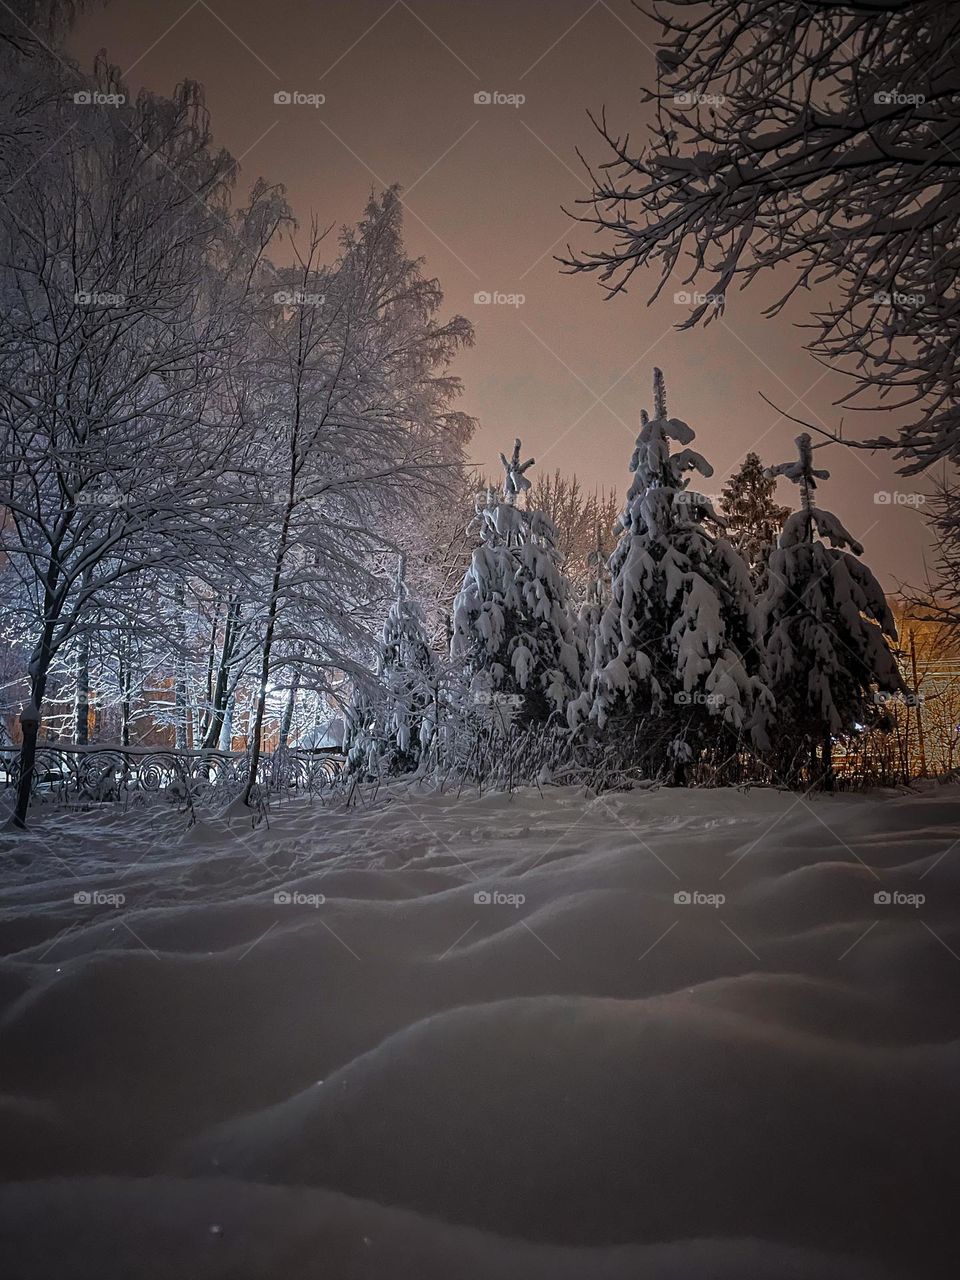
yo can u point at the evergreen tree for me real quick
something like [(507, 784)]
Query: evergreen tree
[(389, 728), (753, 517), (591, 611), (513, 627), (827, 628), (679, 636)]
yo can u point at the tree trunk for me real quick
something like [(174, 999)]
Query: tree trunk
[(30, 726), (81, 705), (221, 686), (208, 711), (273, 610), (278, 563), (226, 730), (827, 761), (28, 758), (260, 706), (126, 692), (287, 721), (180, 666)]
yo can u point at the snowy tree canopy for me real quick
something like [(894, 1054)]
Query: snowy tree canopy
[(827, 627), (816, 135), (199, 448), (512, 621), (679, 633)]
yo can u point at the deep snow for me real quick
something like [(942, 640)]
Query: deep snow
[(581, 1077)]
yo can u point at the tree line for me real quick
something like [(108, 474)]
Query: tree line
[(744, 640), (207, 417)]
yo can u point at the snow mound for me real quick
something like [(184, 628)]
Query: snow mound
[(700, 1034), (211, 1230)]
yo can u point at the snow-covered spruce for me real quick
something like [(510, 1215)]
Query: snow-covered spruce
[(513, 625), (679, 637), (827, 629), (390, 726)]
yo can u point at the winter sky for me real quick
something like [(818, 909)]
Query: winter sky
[(485, 185)]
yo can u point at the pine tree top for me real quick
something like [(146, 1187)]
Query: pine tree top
[(748, 499), (653, 463), (515, 480)]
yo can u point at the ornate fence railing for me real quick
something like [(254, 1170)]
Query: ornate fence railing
[(105, 772)]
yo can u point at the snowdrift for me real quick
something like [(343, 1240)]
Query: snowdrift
[(662, 1033)]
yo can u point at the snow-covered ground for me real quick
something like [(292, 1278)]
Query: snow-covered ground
[(482, 1037)]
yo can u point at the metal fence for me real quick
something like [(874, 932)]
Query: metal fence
[(105, 773)]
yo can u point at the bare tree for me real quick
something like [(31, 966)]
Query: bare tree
[(358, 420), (119, 306), (28, 28), (820, 135), (585, 523)]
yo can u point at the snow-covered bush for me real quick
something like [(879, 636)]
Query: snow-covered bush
[(391, 724)]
